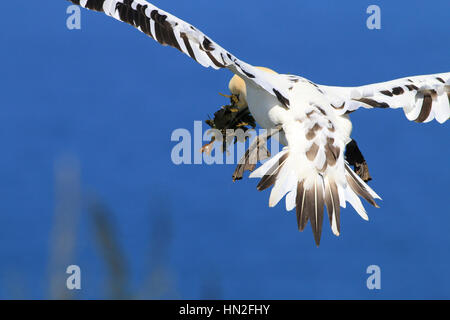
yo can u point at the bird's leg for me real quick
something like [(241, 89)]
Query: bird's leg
[(256, 152), (355, 158), (207, 148)]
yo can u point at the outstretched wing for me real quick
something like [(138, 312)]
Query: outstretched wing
[(423, 98), (172, 31)]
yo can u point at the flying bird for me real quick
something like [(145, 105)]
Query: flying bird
[(311, 171)]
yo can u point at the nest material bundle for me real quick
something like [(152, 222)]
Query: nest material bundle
[(228, 120)]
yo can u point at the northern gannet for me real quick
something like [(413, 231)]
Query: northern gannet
[(310, 171)]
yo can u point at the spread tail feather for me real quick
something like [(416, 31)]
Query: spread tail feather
[(310, 192)]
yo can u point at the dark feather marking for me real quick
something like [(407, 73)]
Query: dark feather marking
[(214, 60), (310, 135), (387, 93), (341, 107), (188, 45), (411, 87), (122, 11), (266, 182), (172, 38), (207, 44), (251, 76), (308, 211), (321, 110), (398, 91), (284, 101), (373, 103), (316, 215), (440, 79), (331, 126), (136, 16), (164, 32), (426, 108), (270, 177), (146, 24), (169, 36), (331, 152), (331, 160), (302, 220), (329, 203), (158, 31), (96, 5), (223, 59), (359, 188), (432, 93), (312, 152), (312, 83), (143, 20), (336, 203), (312, 132), (316, 127)]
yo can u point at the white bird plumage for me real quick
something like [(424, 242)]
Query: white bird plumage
[(311, 171)]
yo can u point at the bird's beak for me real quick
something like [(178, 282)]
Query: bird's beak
[(233, 98)]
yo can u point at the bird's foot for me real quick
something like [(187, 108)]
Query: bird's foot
[(355, 158), (362, 170), (207, 148), (256, 152)]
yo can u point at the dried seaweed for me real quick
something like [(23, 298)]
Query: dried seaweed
[(228, 120)]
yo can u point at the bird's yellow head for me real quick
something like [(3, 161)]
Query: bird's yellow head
[(239, 90)]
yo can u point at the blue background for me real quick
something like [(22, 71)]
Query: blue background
[(108, 98)]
